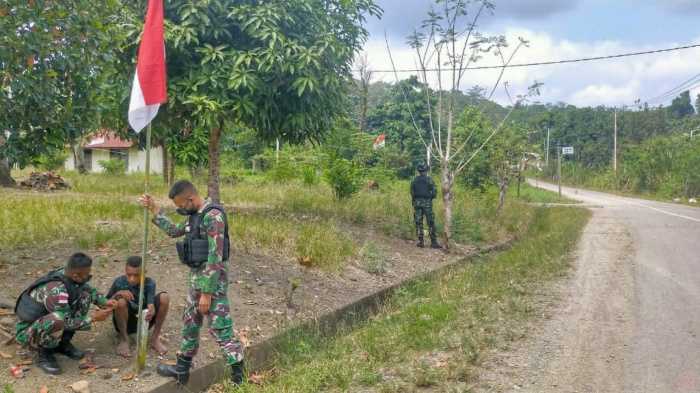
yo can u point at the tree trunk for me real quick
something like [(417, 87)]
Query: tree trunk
[(166, 165), (502, 190), (447, 180), (79, 158), (213, 184), (6, 179), (171, 170)]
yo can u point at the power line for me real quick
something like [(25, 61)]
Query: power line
[(679, 88), (542, 63)]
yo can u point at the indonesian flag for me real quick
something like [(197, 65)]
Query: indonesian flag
[(379, 141), (149, 88)]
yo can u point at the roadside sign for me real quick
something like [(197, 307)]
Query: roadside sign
[(567, 150)]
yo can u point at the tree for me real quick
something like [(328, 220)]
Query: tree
[(54, 58), (365, 81), (505, 155), (697, 104), (449, 43), (280, 68), (681, 105)]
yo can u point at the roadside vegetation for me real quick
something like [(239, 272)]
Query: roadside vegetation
[(434, 334)]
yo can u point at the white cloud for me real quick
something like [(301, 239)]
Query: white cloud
[(604, 82)]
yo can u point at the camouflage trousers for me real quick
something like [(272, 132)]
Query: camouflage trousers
[(45, 332), (424, 207), (219, 321)]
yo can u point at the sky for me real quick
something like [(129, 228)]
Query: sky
[(564, 29)]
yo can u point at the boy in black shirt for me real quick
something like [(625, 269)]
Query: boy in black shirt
[(125, 289)]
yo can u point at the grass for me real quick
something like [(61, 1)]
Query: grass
[(532, 194), (295, 219), (434, 333)]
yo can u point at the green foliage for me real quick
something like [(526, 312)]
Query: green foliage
[(309, 175), (113, 167), (373, 260), (52, 161), (681, 106), (342, 176), (57, 59)]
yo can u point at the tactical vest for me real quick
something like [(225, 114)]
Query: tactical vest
[(194, 250), (29, 310)]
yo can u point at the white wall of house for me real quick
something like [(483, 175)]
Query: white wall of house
[(137, 160)]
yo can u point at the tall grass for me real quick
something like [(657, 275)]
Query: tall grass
[(434, 333)]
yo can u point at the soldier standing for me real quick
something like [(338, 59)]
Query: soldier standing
[(54, 307), (423, 192), (205, 251)]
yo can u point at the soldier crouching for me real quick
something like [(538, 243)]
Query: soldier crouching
[(54, 307)]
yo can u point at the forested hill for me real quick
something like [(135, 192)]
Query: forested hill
[(588, 129)]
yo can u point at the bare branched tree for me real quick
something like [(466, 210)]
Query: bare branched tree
[(365, 81), (446, 46)]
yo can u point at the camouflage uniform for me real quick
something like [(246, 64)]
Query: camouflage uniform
[(211, 278), (423, 191), (46, 332)]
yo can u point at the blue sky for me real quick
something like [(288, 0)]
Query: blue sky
[(560, 29)]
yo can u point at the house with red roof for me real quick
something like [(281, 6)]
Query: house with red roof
[(107, 145)]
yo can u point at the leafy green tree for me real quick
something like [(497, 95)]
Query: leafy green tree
[(55, 57), (681, 105), (280, 68)]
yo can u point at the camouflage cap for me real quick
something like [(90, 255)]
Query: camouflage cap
[(422, 167)]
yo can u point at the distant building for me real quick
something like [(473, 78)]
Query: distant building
[(106, 145)]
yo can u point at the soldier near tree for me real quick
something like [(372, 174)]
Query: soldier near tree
[(205, 250), (54, 307), (423, 192)]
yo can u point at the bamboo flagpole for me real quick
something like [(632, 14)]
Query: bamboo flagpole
[(148, 91), (142, 329)]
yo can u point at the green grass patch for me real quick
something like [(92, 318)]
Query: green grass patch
[(434, 333), (532, 194)]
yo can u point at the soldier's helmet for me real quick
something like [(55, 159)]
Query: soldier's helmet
[(422, 167)]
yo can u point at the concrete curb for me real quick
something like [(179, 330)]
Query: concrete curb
[(262, 354)]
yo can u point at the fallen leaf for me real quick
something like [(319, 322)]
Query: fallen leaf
[(5, 355), (81, 387), (28, 362), (128, 376), (115, 370), (89, 370), (169, 362), (44, 389), (4, 312), (243, 338)]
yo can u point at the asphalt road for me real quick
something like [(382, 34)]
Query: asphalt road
[(631, 320)]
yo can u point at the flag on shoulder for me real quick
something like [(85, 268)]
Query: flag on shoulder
[(150, 86)]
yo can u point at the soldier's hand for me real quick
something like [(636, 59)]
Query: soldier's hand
[(111, 304), (148, 202), (101, 315), (204, 303)]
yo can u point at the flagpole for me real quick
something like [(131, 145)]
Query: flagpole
[(142, 329)]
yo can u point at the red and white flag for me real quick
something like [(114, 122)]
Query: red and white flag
[(150, 86), (379, 141)]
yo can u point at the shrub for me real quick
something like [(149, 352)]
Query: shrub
[(51, 162), (113, 167), (309, 175), (343, 178)]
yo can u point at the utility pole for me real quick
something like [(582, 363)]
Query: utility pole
[(559, 170), (615, 145), (546, 153), (277, 151)]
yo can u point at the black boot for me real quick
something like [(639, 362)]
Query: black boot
[(67, 348), (180, 371), (237, 373), (435, 244), (47, 362), (420, 243)]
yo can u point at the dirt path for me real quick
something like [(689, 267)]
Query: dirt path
[(259, 294)]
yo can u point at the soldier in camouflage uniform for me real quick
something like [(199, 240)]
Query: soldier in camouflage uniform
[(54, 307), (208, 283), (423, 192)]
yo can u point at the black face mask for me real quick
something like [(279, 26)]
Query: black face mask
[(186, 212)]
